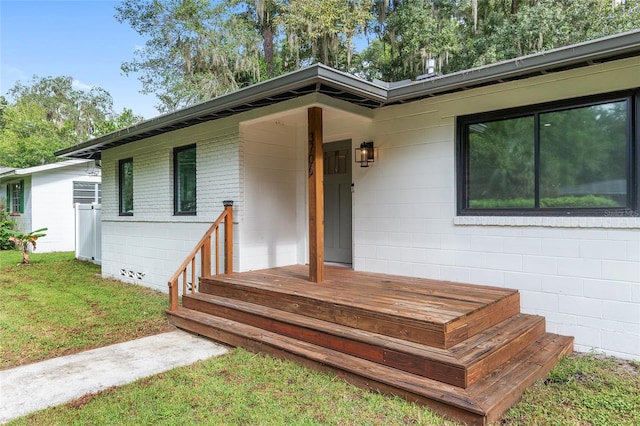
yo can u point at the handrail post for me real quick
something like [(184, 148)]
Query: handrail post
[(228, 237), (173, 295)]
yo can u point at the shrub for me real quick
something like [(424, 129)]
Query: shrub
[(6, 225)]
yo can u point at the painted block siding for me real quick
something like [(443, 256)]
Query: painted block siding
[(582, 274), (49, 204), (271, 229), (148, 247)]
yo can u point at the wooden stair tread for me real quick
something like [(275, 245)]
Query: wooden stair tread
[(329, 327), (440, 321), (426, 387), (461, 365), (449, 300), (485, 399)]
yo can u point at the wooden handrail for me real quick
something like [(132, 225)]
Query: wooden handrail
[(204, 247)]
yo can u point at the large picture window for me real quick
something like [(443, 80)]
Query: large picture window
[(184, 180), (125, 186), (569, 158)]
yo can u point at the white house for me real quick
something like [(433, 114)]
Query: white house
[(521, 174), (44, 196)]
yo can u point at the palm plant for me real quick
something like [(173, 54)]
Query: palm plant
[(24, 240)]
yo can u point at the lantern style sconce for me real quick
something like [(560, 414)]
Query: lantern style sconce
[(365, 154)]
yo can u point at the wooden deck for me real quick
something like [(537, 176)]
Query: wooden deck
[(464, 350)]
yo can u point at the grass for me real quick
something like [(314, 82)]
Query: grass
[(240, 388), (244, 388), (59, 305), (583, 389)]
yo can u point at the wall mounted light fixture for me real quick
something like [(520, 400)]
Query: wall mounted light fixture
[(365, 154)]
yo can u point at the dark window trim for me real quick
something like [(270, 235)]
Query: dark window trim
[(120, 184), (633, 156), (177, 151)]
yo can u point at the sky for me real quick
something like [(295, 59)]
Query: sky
[(77, 38)]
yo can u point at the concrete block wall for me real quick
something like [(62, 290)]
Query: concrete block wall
[(582, 274), (150, 245), (269, 236)]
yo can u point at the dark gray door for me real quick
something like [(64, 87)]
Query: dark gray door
[(337, 201)]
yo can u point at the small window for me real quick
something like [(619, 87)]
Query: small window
[(125, 186), (15, 197), (87, 192), (184, 180), (335, 162), (569, 158)]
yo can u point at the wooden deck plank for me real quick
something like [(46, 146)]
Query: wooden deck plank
[(418, 359), (367, 319), (367, 289), (482, 402), (433, 312), (233, 333), (504, 386), (464, 350)]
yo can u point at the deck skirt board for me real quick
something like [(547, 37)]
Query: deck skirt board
[(464, 350)]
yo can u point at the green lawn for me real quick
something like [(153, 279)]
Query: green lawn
[(55, 302), (59, 305)]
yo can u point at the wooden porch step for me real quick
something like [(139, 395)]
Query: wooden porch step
[(461, 365), (483, 401), (434, 313)]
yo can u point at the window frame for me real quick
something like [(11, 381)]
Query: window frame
[(176, 176), (15, 198), (121, 164), (632, 156)]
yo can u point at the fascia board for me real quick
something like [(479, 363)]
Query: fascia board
[(317, 74)]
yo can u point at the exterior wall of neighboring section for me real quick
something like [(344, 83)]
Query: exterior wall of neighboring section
[(582, 274), (48, 202), (148, 247), (52, 204)]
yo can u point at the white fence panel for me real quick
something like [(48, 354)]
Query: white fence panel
[(89, 232)]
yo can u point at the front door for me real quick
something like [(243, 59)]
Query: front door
[(337, 202)]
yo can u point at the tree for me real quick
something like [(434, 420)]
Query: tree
[(29, 138), (459, 35), (263, 16), (326, 28), (196, 50), (76, 110), (125, 119), (199, 49), (48, 114)]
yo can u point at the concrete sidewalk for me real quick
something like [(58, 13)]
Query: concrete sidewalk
[(55, 381)]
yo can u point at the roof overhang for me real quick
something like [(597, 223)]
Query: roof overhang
[(39, 169), (320, 79)]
